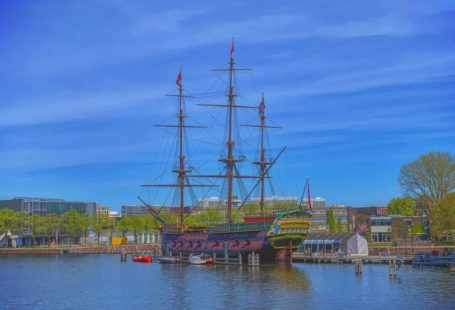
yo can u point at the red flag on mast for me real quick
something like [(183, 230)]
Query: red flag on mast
[(309, 197), (262, 105), (232, 48), (179, 79)]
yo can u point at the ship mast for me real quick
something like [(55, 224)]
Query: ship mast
[(230, 160), (262, 163), (182, 171)]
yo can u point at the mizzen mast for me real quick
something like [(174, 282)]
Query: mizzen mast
[(263, 163)]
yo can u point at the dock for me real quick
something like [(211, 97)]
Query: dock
[(338, 259)]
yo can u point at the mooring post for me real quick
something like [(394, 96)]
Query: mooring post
[(240, 259), (393, 268), (358, 266), (123, 255)]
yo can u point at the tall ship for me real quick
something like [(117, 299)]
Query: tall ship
[(272, 234)]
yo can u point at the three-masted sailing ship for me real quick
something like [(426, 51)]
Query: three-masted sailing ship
[(272, 235)]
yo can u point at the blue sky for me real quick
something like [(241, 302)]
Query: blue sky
[(360, 88)]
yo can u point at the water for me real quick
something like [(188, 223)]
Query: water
[(102, 282)]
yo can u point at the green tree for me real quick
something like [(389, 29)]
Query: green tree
[(136, 223), (99, 222), (73, 223), (12, 220), (443, 221), (123, 225), (401, 206), (431, 176), (205, 218), (37, 224), (53, 225), (339, 225), (331, 221)]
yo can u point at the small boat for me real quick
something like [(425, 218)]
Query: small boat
[(200, 259), (169, 260), (142, 259), (427, 259)]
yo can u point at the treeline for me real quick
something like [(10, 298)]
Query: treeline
[(71, 224), (429, 186)]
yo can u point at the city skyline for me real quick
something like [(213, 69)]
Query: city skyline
[(358, 96)]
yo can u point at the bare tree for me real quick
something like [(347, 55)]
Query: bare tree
[(430, 177)]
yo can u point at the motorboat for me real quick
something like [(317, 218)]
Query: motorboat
[(200, 259), (142, 259), (427, 259), (169, 260)]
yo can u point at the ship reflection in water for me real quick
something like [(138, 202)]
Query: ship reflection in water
[(102, 282)]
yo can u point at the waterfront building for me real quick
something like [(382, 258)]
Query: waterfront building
[(319, 219), (114, 217), (276, 201), (403, 230), (211, 202), (410, 230), (340, 215), (369, 211), (316, 203), (132, 210), (46, 206), (381, 228), (103, 210)]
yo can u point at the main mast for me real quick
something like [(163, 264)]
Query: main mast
[(181, 172), (263, 164), (230, 160)]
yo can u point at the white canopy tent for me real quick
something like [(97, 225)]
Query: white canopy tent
[(357, 245)]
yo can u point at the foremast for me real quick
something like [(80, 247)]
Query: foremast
[(182, 171)]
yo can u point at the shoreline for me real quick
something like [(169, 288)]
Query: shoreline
[(151, 248)]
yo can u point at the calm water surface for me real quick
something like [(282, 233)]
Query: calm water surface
[(102, 282)]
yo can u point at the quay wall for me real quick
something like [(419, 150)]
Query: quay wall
[(408, 250), (154, 248)]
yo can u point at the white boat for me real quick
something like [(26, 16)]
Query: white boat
[(200, 259), (169, 260)]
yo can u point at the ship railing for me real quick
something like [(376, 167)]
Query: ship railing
[(240, 227)]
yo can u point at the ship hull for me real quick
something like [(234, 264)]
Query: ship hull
[(219, 243)]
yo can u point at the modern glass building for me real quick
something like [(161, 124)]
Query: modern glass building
[(131, 210), (46, 206)]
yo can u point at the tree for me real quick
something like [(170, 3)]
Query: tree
[(431, 176), (99, 222), (37, 225), (331, 221), (339, 225), (443, 221), (123, 225), (401, 206), (53, 225), (73, 224), (12, 220)]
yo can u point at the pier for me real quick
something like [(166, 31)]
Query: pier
[(338, 259)]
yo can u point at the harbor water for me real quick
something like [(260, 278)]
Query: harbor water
[(103, 282)]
